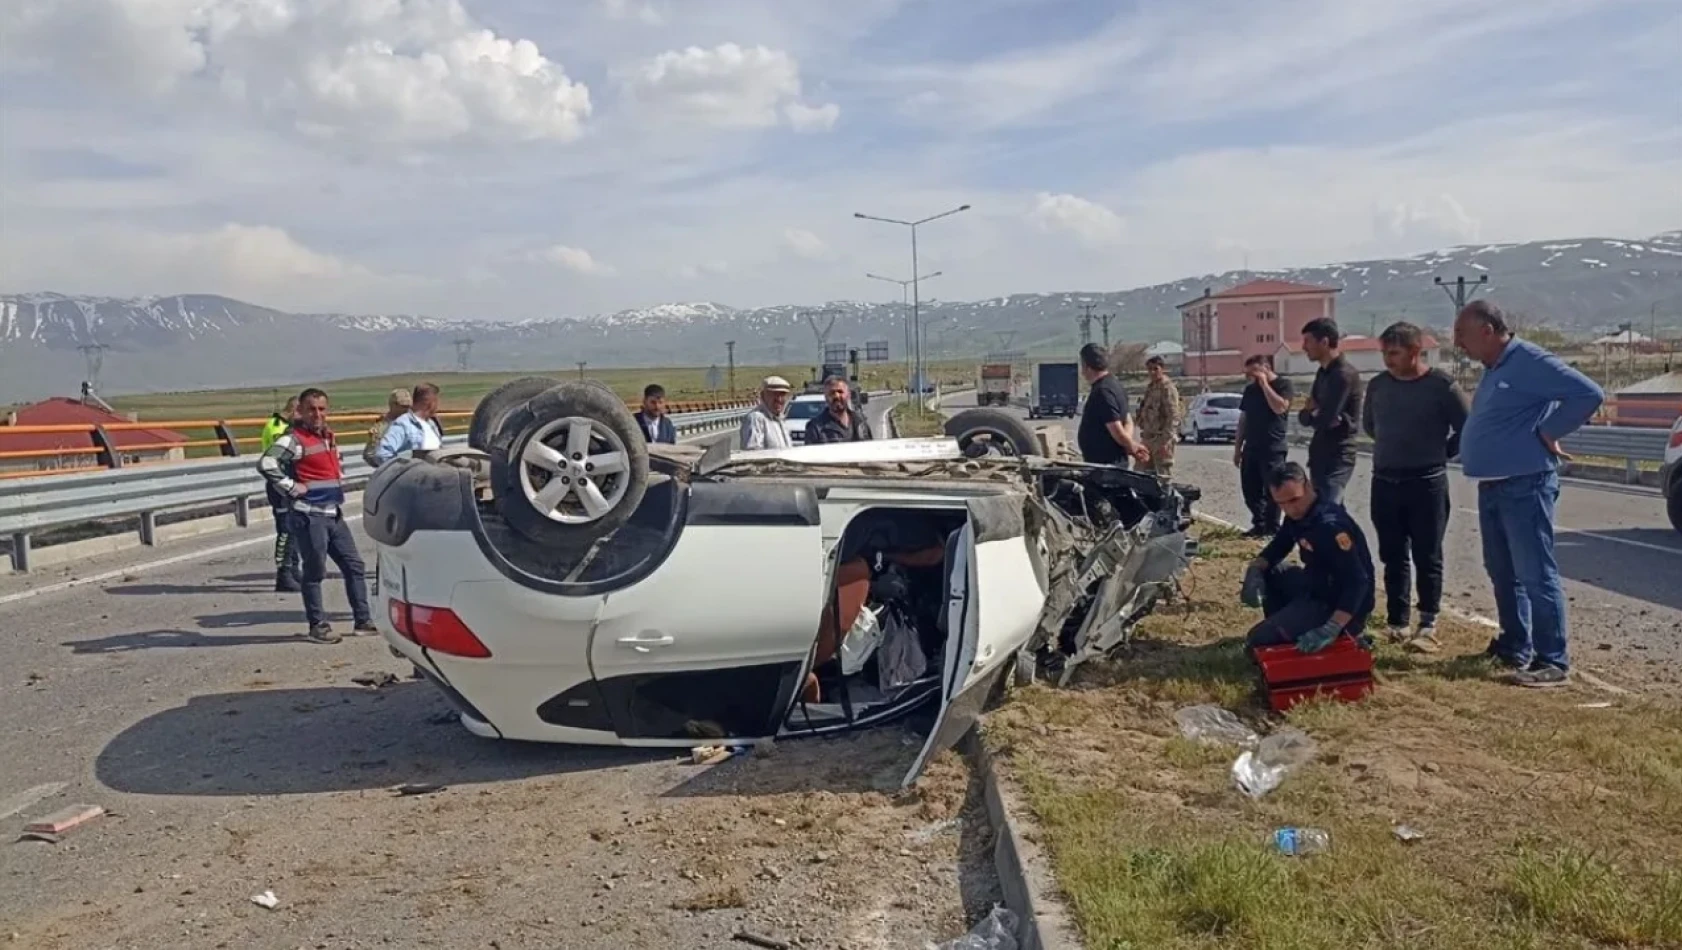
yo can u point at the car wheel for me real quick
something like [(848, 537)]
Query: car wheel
[(569, 466), (1675, 505), (991, 432), (499, 402)]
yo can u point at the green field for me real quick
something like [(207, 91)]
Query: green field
[(462, 391)]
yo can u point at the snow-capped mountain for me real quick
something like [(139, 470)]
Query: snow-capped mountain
[(199, 340)]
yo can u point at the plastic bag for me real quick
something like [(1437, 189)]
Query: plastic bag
[(1262, 770), (1214, 724), (900, 660), (861, 641), (996, 931)]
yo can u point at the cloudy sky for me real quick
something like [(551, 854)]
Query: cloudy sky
[(517, 158)]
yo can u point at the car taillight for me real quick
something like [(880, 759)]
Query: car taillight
[(1676, 438), (1211, 412), (436, 628)]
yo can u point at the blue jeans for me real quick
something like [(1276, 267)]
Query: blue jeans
[(1516, 517)]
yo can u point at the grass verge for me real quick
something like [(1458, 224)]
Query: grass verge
[(911, 422), (1548, 824)]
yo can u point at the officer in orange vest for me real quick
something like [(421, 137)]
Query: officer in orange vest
[(303, 465)]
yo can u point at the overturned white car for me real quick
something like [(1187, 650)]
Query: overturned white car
[(563, 581)]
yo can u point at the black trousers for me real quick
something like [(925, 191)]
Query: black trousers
[(320, 538), (1292, 610), (1330, 469), (286, 560), (1253, 467), (1410, 514)]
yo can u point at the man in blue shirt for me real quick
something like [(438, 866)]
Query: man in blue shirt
[(1526, 402), (414, 431), (1332, 592)]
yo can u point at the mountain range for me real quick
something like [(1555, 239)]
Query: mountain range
[(200, 341)]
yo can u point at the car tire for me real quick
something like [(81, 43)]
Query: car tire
[(1675, 504), (572, 431), (499, 402), (1001, 429)]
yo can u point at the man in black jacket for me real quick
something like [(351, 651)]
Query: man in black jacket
[(656, 426), (840, 421), (1333, 411)]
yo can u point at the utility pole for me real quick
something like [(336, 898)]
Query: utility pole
[(730, 351), (581, 365), (1459, 294), (464, 346), (781, 343), (1104, 319), (1086, 322)]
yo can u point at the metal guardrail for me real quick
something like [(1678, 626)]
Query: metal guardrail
[(30, 505), (1630, 444)]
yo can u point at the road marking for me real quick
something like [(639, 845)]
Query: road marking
[(142, 568), (1603, 537)]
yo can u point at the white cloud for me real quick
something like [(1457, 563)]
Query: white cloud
[(805, 244), (409, 72), (728, 86), (1089, 221), (575, 259)]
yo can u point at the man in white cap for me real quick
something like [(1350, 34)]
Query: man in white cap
[(762, 427)]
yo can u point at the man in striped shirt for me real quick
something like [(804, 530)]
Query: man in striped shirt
[(303, 465)]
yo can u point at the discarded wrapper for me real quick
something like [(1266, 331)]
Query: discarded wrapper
[(1407, 833), (266, 900)]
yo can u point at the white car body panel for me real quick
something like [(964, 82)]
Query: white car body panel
[(796, 428), (886, 451)]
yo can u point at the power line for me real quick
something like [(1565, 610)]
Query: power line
[(1459, 294), (1104, 319), (1086, 322)]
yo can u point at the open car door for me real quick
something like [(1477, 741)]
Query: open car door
[(682, 656), (994, 600)]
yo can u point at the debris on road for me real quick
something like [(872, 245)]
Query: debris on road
[(713, 754), (64, 820), (996, 931), (266, 900), (1302, 842), (1214, 724), (1262, 770), (419, 788), (768, 943), (28, 797), (377, 679)]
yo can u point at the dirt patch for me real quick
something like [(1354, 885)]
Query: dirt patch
[(1549, 820)]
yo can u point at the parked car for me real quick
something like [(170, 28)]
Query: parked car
[(1671, 475), (801, 410), (561, 580), (1211, 416)]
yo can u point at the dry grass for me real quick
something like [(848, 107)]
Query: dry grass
[(1547, 824), (911, 422)]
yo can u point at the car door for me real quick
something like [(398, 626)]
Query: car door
[(994, 601), (713, 643)]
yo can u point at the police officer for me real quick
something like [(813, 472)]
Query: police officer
[(1332, 592), (288, 562)]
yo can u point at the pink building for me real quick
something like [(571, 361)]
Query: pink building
[(1221, 331)]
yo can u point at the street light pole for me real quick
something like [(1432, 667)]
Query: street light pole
[(916, 295), (905, 301)]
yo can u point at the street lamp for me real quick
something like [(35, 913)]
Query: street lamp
[(905, 300), (916, 298)]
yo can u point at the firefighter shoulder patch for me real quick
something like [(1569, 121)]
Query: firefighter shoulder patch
[(1344, 541)]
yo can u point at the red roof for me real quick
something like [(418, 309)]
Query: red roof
[(1368, 344), (1266, 288), (60, 411)]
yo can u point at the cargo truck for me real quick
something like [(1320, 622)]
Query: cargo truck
[(993, 389), (1056, 390)]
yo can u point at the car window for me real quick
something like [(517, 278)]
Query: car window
[(807, 409), (1224, 402)]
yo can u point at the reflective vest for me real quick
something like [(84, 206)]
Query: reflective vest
[(317, 468), (275, 428)]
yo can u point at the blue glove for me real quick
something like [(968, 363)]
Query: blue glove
[(1255, 582), (1319, 638)]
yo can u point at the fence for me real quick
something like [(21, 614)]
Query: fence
[(109, 446), (1629, 444), (50, 501)]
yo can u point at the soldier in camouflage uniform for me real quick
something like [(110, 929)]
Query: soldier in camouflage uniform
[(1159, 417)]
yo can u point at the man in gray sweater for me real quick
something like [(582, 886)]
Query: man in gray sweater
[(1414, 416)]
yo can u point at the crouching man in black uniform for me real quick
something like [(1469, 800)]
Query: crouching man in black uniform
[(1331, 593)]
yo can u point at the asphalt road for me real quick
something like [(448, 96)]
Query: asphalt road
[(1621, 561), (236, 757)]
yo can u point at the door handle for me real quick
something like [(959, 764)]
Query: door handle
[(642, 644)]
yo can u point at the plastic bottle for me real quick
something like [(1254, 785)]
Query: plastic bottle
[(1302, 842)]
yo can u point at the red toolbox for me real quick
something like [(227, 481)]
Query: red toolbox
[(1342, 670)]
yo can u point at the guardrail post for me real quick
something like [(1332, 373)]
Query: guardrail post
[(230, 445), (20, 552), (1632, 472), (149, 528), (242, 511), (108, 455)]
